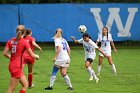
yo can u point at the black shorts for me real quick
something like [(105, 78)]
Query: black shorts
[(90, 60)]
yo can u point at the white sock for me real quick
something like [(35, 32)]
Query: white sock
[(99, 68), (67, 80), (113, 69), (89, 70), (94, 75), (52, 79)]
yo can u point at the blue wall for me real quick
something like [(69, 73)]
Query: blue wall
[(43, 19)]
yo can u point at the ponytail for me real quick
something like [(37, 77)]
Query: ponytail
[(20, 30)]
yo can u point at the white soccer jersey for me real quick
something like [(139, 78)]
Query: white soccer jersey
[(63, 54), (105, 43), (89, 48)]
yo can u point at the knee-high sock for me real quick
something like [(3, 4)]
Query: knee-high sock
[(67, 80), (22, 91), (30, 78), (113, 69), (89, 70), (99, 68), (94, 75), (52, 79)]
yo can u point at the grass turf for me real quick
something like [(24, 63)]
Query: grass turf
[(126, 61)]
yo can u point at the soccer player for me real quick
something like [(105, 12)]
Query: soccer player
[(105, 38), (61, 60), (17, 46), (27, 58), (89, 47)]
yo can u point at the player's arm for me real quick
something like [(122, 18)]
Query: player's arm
[(73, 38), (36, 45), (58, 48), (68, 50), (30, 52), (112, 44), (6, 54), (101, 52)]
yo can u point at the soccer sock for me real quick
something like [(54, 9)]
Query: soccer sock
[(99, 68), (30, 77), (67, 79), (89, 70), (94, 75), (52, 79), (22, 91), (113, 69)]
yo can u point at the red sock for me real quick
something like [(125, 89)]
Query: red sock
[(30, 77), (22, 91)]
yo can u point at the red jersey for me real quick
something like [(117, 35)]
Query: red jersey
[(17, 49), (29, 39)]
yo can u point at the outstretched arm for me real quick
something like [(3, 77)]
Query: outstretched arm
[(73, 38)]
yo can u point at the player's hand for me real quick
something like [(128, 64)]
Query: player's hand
[(37, 57), (54, 59), (40, 50), (72, 37), (115, 50)]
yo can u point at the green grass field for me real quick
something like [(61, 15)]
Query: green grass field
[(127, 62)]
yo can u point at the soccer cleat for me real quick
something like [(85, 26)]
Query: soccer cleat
[(49, 88), (70, 88), (90, 78), (31, 86), (97, 80)]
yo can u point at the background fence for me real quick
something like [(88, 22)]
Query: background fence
[(121, 19)]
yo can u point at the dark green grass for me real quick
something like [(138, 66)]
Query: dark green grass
[(127, 62)]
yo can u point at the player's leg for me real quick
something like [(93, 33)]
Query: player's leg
[(63, 71), (99, 64), (111, 64), (24, 83), (30, 75), (88, 67), (13, 84), (52, 78)]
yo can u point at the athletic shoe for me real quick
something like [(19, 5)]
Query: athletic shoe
[(97, 80), (49, 88), (90, 78), (31, 86), (70, 88)]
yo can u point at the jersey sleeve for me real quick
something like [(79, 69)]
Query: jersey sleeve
[(110, 37), (57, 42), (98, 39), (80, 40), (93, 44)]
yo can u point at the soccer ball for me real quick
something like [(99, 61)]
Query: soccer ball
[(82, 28)]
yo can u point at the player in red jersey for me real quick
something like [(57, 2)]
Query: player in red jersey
[(17, 46), (27, 59)]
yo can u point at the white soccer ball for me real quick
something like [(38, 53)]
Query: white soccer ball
[(82, 28)]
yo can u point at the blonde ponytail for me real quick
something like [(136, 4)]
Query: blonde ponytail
[(20, 30)]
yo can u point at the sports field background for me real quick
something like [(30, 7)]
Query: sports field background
[(127, 61)]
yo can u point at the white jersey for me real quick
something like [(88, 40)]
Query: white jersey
[(89, 48), (63, 54), (105, 42)]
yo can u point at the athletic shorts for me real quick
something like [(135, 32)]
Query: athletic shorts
[(62, 63), (28, 60), (16, 72), (89, 59), (107, 53)]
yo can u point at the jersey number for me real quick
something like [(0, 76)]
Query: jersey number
[(14, 48), (64, 45)]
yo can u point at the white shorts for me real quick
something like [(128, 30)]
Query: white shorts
[(107, 53), (62, 63)]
